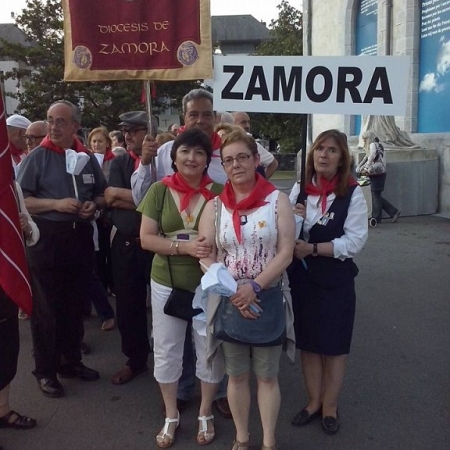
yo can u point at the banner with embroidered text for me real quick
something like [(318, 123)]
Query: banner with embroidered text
[(137, 39), (13, 264)]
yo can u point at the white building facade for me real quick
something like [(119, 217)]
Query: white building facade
[(417, 28)]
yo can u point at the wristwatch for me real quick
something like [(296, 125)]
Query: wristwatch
[(315, 251), (255, 286)]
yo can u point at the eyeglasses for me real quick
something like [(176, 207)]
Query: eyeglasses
[(132, 131), (58, 123), (33, 137), (241, 158)]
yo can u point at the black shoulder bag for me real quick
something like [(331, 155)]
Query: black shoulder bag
[(179, 303)]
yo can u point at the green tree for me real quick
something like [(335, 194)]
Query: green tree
[(41, 73), (286, 39)]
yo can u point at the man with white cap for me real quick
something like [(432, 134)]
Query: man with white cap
[(17, 126)]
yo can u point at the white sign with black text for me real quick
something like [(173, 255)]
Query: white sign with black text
[(369, 85)]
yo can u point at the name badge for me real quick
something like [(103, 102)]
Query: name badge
[(88, 178), (326, 218)]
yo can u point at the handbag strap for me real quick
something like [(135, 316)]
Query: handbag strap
[(161, 231), (218, 211)]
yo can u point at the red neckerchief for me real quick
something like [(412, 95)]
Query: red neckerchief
[(255, 199), (15, 153), (77, 146), (108, 155), (216, 142), (137, 159), (326, 188), (177, 182)]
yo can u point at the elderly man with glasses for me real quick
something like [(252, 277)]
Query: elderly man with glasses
[(62, 206), (36, 131)]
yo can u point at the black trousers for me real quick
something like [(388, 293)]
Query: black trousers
[(60, 263), (9, 339), (103, 256), (131, 273)]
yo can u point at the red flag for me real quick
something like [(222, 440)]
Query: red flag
[(13, 263), (152, 92)]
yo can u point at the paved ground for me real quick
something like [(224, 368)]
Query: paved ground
[(396, 393)]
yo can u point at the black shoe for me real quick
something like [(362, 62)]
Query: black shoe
[(85, 349), (330, 424), (78, 371), (50, 387), (223, 407), (304, 417)]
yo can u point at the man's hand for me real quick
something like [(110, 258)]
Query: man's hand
[(87, 210), (26, 228), (68, 205), (149, 150)]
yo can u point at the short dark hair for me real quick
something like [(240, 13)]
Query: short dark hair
[(192, 137)]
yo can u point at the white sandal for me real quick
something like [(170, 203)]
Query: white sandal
[(203, 437), (164, 439)]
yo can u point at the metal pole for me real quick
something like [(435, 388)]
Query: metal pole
[(148, 104), (304, 125)]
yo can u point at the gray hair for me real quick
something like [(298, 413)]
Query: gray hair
[(196, 94), (76, 113), (369, 135), (224, 117)]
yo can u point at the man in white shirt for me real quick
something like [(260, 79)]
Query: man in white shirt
[(198, 113)]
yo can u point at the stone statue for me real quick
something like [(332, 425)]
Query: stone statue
[(387, 132)]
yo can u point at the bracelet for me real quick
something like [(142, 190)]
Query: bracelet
[(171, 248), (315, 250), (177, 247)]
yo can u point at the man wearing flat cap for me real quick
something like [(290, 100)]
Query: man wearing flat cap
[(130, 263), (17, 126)]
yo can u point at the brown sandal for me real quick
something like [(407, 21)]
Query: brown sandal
[(19, 422), (126, 374), (108, 324), (240, 445)]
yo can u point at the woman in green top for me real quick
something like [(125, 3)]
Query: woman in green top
[(171, 212)]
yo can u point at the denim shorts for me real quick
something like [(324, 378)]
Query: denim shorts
[(239, 359)]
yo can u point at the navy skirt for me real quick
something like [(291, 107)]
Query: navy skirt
[(323, 300)]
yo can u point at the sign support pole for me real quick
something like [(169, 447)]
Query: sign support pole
[(304, 125)]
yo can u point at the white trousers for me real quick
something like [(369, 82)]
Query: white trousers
[(168, 336)]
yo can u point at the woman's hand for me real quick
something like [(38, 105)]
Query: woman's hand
[(244, 297), (300, 210), (302, 249), (199, 248)]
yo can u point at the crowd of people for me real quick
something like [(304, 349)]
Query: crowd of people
[(144, 212)]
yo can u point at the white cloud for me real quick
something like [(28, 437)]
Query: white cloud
[(428, 83), (443, 59)]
